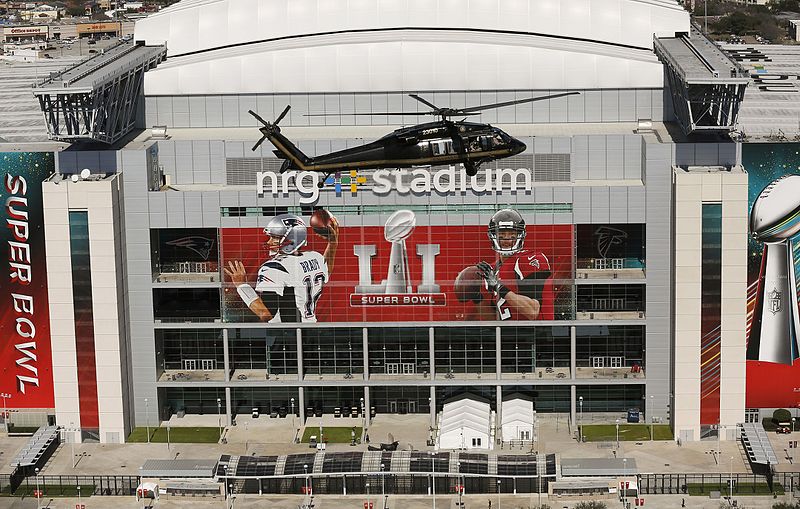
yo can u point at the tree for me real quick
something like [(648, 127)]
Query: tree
[(781, 415)]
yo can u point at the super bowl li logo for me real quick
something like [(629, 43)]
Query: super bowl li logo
[(396, 289)]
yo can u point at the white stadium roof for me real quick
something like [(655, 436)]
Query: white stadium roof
[(300, 46)]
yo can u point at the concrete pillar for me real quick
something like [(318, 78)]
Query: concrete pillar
[(300, 360), (226, 355), (366, 416), (497, 345), (432, 404), (301, 400), (431, 353), (572, 404), (227, 406), (498, 431), (365, 346), (573, 348)]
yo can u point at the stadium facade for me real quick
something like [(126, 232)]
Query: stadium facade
[(642, 230)]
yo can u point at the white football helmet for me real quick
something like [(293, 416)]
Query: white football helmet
[(290, 229)]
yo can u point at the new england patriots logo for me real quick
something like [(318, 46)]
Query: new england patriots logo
[(291, 222), (200, 245), (607, 237)]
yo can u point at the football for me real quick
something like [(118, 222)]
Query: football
[(399, 225), (321, 223), (776, 212), (469, 285)]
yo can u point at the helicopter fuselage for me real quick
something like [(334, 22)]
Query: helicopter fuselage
[(434, 143)]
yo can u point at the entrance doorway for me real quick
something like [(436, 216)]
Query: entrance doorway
[(190, 364), (402, 406)]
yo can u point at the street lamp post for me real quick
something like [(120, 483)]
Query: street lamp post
[(38, 493), (730, 484), (498, 494), (305, 483), (168, 444), (580, 424), (617, 434), (5, 410), (363, 419), (369, 502), (433, 477), (78, 487), (460, 485), (147, 419), (651, 417), (383, 485), (624, 482), (294, 430), (219, 416)]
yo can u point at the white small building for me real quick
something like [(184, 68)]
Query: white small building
[(517, 419), (794, 29), (465, 423)]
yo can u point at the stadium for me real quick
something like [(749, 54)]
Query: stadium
[(629, 195)]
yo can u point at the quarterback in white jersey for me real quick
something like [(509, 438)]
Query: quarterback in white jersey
[(290, 283)]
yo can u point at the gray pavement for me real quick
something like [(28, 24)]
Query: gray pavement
[(274, 436), (399, 502)]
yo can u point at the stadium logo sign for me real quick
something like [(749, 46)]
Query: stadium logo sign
[(450, 180)]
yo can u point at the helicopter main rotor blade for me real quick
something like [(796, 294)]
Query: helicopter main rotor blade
[(423, 101), (285, 111), (377, 113), (257, 117), (509, 103), (368, 114), (259, 143)]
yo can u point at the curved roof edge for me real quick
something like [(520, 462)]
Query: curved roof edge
[(198, 25)]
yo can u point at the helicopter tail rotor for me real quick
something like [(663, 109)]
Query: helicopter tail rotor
[(269, 128)]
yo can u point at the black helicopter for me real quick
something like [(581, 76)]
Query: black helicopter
[(442, 142)]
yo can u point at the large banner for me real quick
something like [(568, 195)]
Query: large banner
[(25, 354), (400, 272), (773, 321)]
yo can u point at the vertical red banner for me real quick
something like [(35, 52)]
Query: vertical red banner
[(25, 351)]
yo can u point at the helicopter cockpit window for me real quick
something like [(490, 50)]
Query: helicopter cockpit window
[(442, 147), (474, 144), (497, 140)]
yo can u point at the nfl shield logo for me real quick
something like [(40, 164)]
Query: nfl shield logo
[(775, 301)]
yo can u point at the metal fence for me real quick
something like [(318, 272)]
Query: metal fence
[(677, 484), (61, 485)]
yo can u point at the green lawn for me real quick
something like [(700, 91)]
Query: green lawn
[(177, 435), (740, 489), (627, 432), (50, 491), (334, 435)]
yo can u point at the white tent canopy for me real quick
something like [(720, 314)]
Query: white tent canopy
[(465, 423), (517, 419)]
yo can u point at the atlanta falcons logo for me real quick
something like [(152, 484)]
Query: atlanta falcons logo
[(199, 245), (607, 237)]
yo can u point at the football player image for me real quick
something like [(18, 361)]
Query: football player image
[(290, 283), (520, 280)]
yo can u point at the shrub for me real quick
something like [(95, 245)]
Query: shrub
[(782, 415), (592, 504)]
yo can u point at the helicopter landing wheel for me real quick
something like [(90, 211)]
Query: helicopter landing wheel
[(472, 169)]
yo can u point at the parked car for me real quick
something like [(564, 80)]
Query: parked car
[(783, 429), (91, 41)]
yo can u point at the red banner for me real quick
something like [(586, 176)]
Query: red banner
[(25, 354), (410, 279)]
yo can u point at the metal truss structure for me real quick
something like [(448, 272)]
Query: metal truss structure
[(707, 87), (96, 99)]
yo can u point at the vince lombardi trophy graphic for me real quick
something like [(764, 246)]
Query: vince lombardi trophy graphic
[(398, 227), (775, 220)]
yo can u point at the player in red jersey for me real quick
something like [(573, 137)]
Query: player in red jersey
[(521, 279)]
